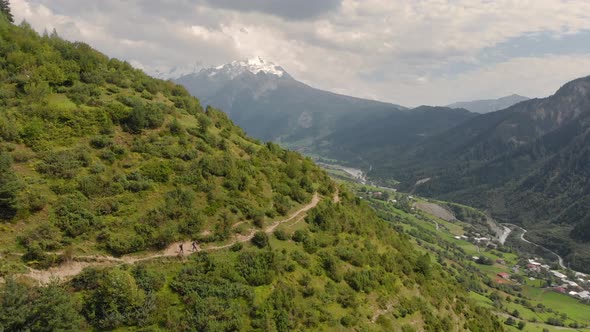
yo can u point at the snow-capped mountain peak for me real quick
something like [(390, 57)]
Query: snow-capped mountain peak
[(253, 65)]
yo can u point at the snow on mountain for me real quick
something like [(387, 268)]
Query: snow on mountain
[(227, 71), (254, 65)]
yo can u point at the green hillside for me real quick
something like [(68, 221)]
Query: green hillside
[(105, 168)]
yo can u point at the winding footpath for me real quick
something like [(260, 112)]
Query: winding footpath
[(74, 267)]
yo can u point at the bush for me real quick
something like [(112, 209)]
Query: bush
[(282, 204), (100, 142), (260, 239), (148, 279), (281, 235), (348, 321), (116, 301), (72, 216), (64, 164), (49, 308), (33, 201), (236, 247), (299, 235), (142, 116), (121, 244), (9, 187), (156, 171), (258, 268)]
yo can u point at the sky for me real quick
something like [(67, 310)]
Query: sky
[(409, 52)]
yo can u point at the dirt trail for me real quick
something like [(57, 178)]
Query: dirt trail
[(336, 198), (73, 268)]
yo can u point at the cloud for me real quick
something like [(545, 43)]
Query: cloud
[(406, 51), (288, 9)]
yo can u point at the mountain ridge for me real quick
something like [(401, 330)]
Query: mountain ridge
[(526, 164), (293, 111), (304, 118), (489, 105)]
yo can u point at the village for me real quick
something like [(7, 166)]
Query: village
[(574, 284), (560, 282)]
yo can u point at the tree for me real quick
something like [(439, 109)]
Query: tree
[(9, 186), (260, 239), (5, 9), (55, 310), (509, 321), (115, 302), (14, 306), (48, 308), (423, 265)]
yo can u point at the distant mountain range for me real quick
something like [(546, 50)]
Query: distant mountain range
[(270, 104), (489, 105), (528, 164)]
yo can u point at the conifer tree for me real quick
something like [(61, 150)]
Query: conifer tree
[(9, 186), (5, 9)]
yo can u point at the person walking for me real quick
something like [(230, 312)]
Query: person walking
[(181, 247), (195, 247)]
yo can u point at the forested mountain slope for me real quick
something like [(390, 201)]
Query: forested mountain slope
[(527, 164), (368, 139), (98, 159)]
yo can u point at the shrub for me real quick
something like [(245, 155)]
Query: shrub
[(121, 244), (348, 321), (72, 216), (115, 302), (100, 142), (282, 204), (256, 267), (9, 187), (281, 235), (236, 247), (260, 239), (299, 235), (148, 279), (156, 171), (64, 164)]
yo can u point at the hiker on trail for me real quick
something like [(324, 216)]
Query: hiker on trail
[(195, 248), (181, 246)]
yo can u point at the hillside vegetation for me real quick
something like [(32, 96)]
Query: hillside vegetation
[(98, 158)]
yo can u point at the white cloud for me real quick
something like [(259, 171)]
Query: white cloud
[(388, 50), (533, 77)]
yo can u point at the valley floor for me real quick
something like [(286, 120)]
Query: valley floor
[(524, 295)]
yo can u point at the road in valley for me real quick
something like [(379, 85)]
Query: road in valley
[(524, 231)]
